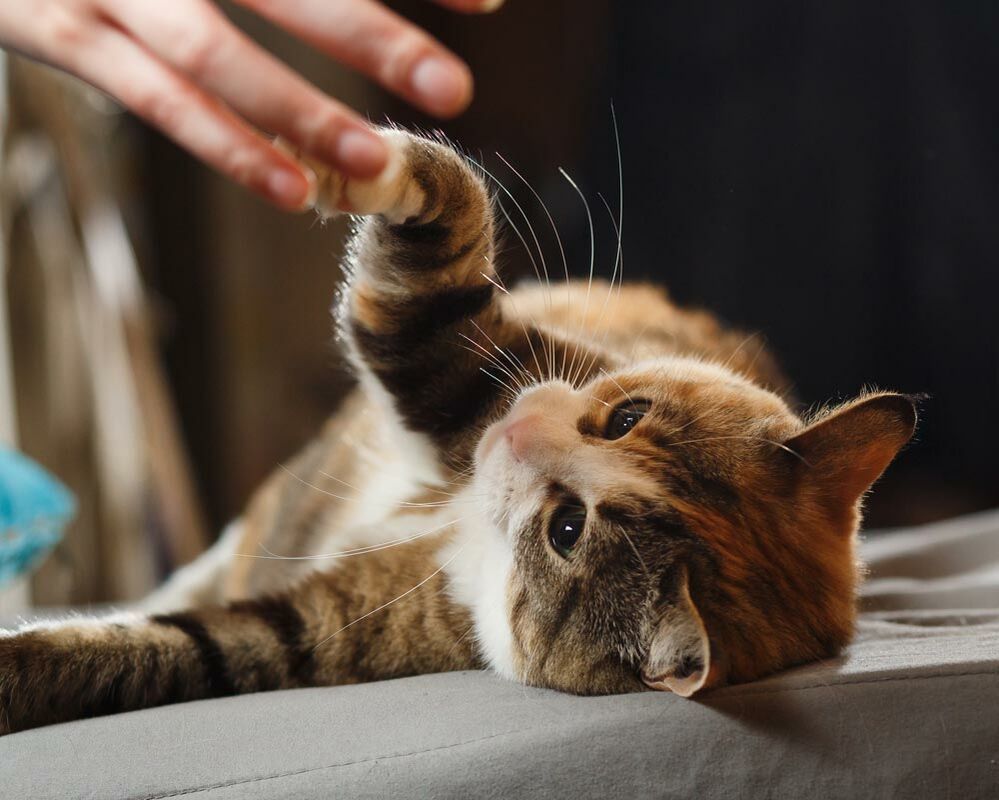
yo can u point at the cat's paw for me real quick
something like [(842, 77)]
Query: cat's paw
[(393, 193)]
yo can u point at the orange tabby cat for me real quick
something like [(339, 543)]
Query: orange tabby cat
[(585, 488)]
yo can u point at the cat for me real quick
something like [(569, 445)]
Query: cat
[(580, 487)]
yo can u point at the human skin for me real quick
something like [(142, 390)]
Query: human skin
[(185, 69)]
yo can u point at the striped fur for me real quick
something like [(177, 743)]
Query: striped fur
[(415, 533)]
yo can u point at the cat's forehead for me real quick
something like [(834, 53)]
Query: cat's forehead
[(707, 434), (688, 388), (680, 377)]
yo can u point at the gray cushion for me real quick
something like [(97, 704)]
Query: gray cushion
[(909, 711)]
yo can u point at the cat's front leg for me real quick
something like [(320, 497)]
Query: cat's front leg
[(422, 315), (82, 668), (86, 668), (314, 634)]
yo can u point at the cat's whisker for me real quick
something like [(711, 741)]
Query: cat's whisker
[(526, 218), (481, 351), (752, 364), (494, 283), (690, 422), (408, 592), (727, 363), (484, 353), (462, 638), (593, 256), (520, 319), (641, 561), (379, 463), (620, 197), (613, 380), (356, 489), (355, 551), (507, 391), (602, 402), (561, 249), (514, 361), (530, 344), (779, 445), (619, 231), (520, 236), (335, 496), (534, 235), (638, 339), (586, 364), (516, 230)]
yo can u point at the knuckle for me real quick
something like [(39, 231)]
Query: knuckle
[(244, 165), (197, 49), (165, 110), (319, 127), (63, 30), (400, 56)]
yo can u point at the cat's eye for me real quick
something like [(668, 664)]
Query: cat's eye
[(625, 417), (566, 527)]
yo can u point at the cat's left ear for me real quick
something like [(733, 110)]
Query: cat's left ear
[(840, 455), (679, 658)]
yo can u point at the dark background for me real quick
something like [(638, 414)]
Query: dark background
[(824, 173)]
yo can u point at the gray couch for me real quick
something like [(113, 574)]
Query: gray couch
[(910, 711)]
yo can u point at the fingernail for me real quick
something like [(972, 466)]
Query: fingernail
[(288, 187), (361, 153), (441, 84), (490, 5)]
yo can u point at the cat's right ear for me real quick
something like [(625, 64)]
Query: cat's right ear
[(679, 656), (839, 456)]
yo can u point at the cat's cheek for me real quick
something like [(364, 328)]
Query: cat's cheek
[(487, 444)]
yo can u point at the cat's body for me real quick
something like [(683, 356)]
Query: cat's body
[(337, 493), (482, 500)]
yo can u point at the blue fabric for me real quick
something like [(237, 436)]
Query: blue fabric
[(34, 509)]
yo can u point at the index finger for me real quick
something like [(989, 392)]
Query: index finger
[(367, 36)]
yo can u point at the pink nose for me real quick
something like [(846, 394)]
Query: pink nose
[(521, 434)]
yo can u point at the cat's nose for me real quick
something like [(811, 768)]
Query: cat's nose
[(522, 434)]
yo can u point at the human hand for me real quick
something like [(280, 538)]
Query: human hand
[(183, 67)]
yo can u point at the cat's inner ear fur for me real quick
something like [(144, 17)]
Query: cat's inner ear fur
[(679, 657), (841, 455)]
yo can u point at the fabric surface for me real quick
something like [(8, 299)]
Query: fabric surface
[(909, 711)]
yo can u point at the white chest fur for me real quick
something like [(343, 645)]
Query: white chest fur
[(479, 573)]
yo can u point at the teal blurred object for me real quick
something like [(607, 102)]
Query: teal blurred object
[(34, 509)]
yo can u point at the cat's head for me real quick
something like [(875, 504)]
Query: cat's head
[(674, 525)]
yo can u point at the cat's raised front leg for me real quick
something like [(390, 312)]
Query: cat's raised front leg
[(421, 314)]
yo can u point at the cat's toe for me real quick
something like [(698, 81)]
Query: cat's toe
[(389, 193)]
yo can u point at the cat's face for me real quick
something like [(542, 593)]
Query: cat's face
[(675, 526)]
